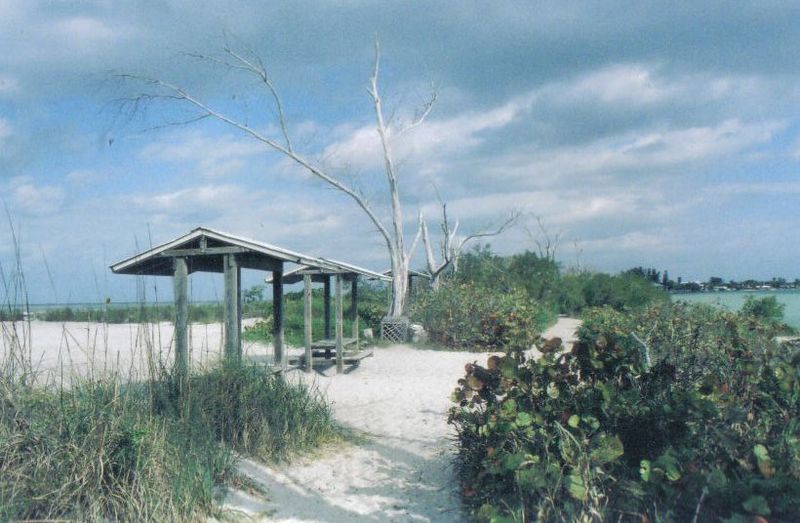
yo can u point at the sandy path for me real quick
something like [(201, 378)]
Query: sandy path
[(403, 472)]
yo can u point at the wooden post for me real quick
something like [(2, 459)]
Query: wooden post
[(307, 319), (181, 291), (354, 308), (327, 306), (233, 320), (339, 326), (277, 317)]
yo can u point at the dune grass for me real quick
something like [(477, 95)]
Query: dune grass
[(110, 448)]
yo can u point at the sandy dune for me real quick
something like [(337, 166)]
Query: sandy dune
[(398, 399), (403, 471)]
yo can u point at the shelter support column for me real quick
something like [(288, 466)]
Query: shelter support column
[(277, 317), (339, 326), (181, 292), (354, 308), (327, 306), (233, 309), (307, 319)]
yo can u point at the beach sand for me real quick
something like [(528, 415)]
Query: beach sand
[(401, 470)]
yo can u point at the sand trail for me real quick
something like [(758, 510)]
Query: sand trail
[(402, 472)]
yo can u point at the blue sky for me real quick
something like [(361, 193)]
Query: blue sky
[(643, 133)]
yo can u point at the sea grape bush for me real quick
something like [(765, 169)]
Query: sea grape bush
[(707, 429), (467, 316)]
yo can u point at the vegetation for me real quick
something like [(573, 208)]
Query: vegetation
[(464, 316), (142, 313), (672, 413), (500, 302), (372, 303), (112, 449)]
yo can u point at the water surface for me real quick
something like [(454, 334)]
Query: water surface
[(733, 301)]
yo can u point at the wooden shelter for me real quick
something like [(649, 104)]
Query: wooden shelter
[(207, 250), (338, 272)]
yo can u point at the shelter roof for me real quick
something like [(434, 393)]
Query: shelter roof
[(205, 248), (331, 267), (411, 272)]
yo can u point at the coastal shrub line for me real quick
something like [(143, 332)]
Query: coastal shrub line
[(675, 413)]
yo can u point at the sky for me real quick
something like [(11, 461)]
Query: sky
[(652, 134)]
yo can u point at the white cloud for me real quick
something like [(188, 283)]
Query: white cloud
[(34, 199), (639, 151), (621, 84), (211, 156), (84, 177), (5, 129), (360, 148), (636, 242), (8, 85)]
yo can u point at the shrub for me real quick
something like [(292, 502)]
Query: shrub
[(767, 310), (597, 433), (466, 316)]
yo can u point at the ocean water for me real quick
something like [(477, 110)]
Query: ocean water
[(734, 300)]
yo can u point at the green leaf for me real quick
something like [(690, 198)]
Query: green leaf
[(593, 422), (576, 487), (512, 462), (608, 449), (501, 519), (644, 469), (761, 452), (508, 409), (756, 505), (508, 368), (574, 420), (667, 465), (523, 419), (552, 390), (717, 479)]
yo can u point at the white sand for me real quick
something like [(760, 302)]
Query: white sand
[(403, 472), (399, 398)]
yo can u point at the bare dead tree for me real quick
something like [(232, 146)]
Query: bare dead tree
[(451, 245), (251, 64), (546, 242)]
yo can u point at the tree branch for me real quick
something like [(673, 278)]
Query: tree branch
[(182, 95)]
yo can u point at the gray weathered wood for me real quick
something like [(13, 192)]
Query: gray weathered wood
[(326, 304), (181, 291), (233, 342), (206, 251), (339, 326), (307, 319), (277, 318), (354, 307)]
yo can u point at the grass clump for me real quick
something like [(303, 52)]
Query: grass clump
[(112, 450), (257, 413), (95, 451)]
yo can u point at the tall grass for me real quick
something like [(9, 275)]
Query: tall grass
[(109, 446)]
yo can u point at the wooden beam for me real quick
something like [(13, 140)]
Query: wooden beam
[(307, 320), (339, 327), (277, 318), (203, 252), (181, 291), (354, 307), (233, 341), (327, 306)]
